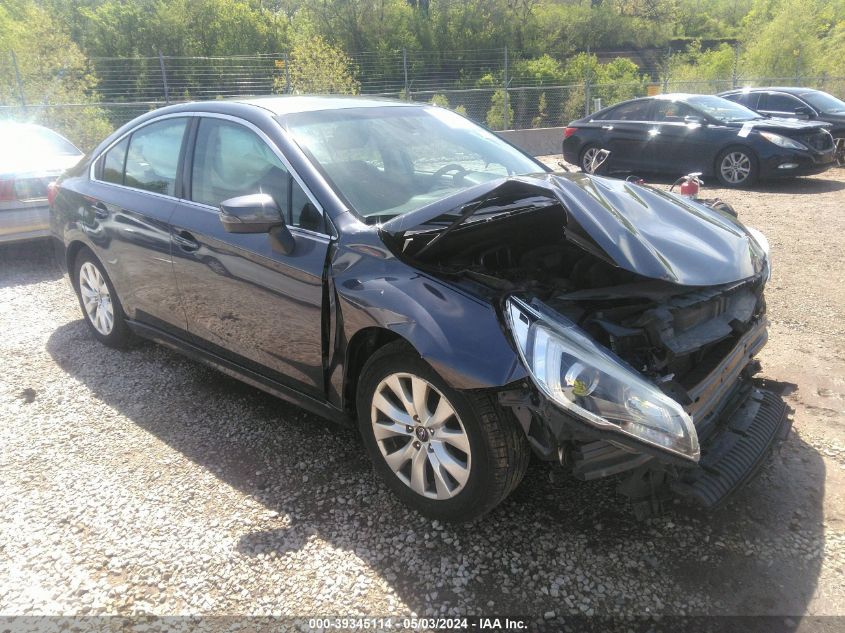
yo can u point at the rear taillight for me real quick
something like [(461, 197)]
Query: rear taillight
[(7, 190), (569, 132), (52, 190)]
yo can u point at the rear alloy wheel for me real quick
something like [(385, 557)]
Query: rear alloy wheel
[(98, 300), (587, 158), (448, 454), (736, 167)]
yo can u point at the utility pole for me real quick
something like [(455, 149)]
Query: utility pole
[(505, 114), (18, 79), (735, 77), (405, 69), (164, 79), (587, 85)]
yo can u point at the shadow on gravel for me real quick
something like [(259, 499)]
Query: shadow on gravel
[(555, 545), (27, 263), (793, 186)]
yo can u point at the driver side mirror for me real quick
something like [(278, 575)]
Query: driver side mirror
[(257, 213), (804, 112)]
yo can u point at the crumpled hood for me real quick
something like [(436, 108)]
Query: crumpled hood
[(641, 229), (787, 125)]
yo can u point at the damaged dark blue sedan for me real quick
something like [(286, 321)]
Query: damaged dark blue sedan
[(397, 267)]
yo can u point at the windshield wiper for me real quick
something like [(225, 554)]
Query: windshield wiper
[(466, 211)]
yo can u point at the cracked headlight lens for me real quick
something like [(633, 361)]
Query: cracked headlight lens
[(595, 386), (763, 243)]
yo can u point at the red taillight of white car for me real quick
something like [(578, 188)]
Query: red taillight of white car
[(52, 190), (7, 190)]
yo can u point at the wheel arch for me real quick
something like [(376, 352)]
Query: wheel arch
[(71, 253), (459, 336), (363, 344)]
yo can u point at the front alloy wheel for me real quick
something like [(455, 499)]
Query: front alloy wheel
[(421, 436), (449, 454), (736, 168)]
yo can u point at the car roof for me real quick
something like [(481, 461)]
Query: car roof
[(277, 105), (290, 104), (23, 125), (793, 90)]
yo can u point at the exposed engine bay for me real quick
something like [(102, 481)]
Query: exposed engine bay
[(663, 330)]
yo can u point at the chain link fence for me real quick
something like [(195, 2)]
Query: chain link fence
[(489, 86)]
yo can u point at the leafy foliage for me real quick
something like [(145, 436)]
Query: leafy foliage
[(52, 70), (783, 40), (496, 118), (317, 67)]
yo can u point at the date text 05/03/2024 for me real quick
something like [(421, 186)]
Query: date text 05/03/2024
[(476, 623)]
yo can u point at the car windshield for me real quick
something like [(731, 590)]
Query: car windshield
[(386, 161), (35, 140), (823, 102), (722, 109)]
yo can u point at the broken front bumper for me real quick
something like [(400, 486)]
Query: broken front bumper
[(734, 454), (738, 425)]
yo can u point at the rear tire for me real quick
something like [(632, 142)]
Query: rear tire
[(101, 308), (737, 167), (586, 157), (457, 459)]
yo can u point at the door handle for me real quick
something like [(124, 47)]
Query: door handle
[(186, 241), (607, 127), (101, 211)]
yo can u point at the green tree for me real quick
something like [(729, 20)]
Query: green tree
[(776, 47), (496, 119), (316, 67), (542, 112), (440, 100), (52, 71)]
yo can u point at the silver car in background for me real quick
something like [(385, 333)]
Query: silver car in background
[(31, 157)]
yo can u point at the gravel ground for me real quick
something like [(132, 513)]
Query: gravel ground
[(143, 483)]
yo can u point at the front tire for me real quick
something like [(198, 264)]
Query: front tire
[(100, 306), (736, 167), (450, 455)]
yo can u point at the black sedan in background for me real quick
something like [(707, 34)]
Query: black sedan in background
[(397, 267), (680, 133), (797, 103)]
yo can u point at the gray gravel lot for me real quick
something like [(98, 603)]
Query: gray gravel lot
[(142, 482)]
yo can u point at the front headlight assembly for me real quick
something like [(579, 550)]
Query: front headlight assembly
[(782, 141), (593, 385), (763, 243)]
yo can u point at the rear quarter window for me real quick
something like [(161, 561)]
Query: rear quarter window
[(113, 161)]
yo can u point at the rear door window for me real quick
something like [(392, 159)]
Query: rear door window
[(153, 156), (673, 112), (781, 103), (634, 111)]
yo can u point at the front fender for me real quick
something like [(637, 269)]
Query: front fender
[(460, 335)]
